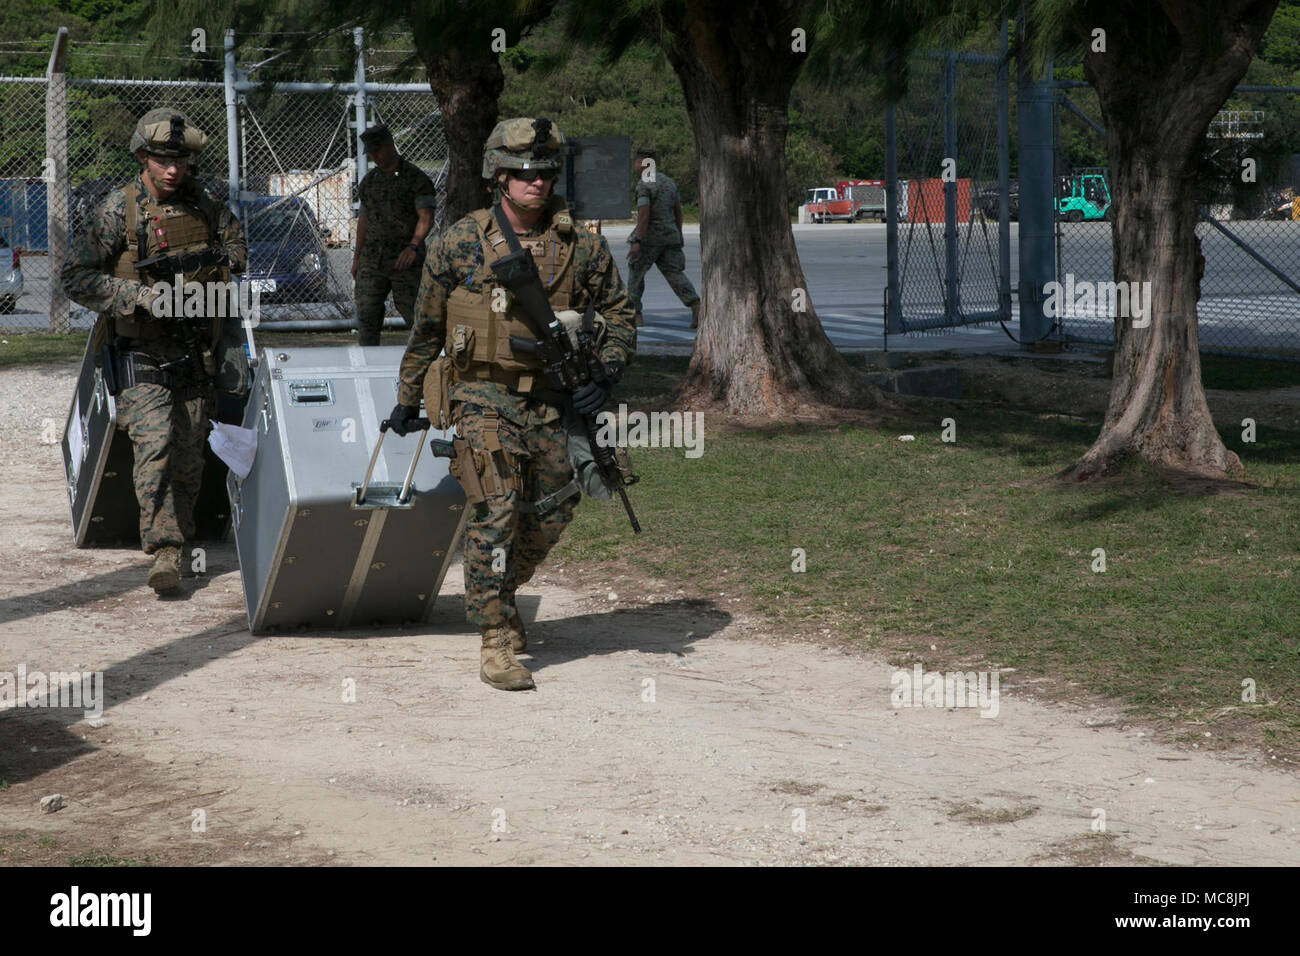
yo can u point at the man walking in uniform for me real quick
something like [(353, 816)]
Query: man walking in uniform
[(657, 238), (397, 208), (512, 450), (165, 366)]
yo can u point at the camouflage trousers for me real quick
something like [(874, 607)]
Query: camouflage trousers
[(167, 437), (671, 261), (375, 279), (504, 544)]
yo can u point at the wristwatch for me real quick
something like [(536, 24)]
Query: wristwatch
[(634, 239), (414, 247)]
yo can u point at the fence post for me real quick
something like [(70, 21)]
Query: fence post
[(56, 177), (232, 126), (1004, 178), (1037, 207), (893, 298), (952, 291), (358, 40)]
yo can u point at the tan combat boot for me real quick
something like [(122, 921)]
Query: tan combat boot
[(165, 576), (518, 639), (695, 316), (499, 667)]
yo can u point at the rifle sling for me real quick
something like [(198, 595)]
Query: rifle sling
[(512, 241)]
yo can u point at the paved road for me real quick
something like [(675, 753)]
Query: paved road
[(1244, 305), (845, 269)]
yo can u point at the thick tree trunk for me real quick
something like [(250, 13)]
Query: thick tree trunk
[(467, 82), (1159, 86), (760, 348)]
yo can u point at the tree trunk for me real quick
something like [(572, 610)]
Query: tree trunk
[(1159, 87), (467, 82), (760, 348)]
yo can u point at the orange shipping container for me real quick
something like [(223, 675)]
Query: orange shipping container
[(925, 200)]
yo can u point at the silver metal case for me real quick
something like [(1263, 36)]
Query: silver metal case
[(310, 554)]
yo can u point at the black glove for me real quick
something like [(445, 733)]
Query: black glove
[(400, 416), (592, 397)]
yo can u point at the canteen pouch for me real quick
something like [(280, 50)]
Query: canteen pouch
[(437, 386)]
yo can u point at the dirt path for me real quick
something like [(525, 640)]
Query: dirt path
[(746, 736)]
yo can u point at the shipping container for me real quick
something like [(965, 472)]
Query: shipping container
[(330, 199), (23, 212)]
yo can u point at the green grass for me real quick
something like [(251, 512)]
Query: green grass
[(970, 547), (1222, 371), (39, 348)]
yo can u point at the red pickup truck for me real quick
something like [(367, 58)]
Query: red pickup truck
[(849, 199)]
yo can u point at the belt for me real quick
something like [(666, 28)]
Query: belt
[(141, 368)]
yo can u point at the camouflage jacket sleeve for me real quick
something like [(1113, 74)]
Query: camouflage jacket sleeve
[(84, 276), (599, 276), (231, 235), (425, 193), (452, 259), (363, 193)]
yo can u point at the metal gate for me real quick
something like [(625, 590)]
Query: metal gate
[(948, 207)]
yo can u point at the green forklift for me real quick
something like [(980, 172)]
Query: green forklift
[(1084, 196)]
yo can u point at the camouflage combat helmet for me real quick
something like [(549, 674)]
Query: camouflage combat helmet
[(167, 132), (523, 143)]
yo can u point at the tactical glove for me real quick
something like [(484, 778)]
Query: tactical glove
[(400, 416), (592, 397)]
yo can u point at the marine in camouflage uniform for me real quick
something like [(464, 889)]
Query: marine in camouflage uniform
[(397, 210), (166, 418), (515, 441), (657, 239)]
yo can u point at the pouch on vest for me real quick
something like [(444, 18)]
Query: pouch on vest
[(437, 388), (462, 346)]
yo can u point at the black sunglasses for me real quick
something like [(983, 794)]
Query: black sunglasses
[(528, 175)]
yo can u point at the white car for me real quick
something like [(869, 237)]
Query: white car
[(11, 277)]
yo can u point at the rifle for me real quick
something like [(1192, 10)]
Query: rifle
[(565, 366), (164, 267)]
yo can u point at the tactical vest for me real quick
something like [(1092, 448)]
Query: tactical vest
[(172, 226), (478, 339)]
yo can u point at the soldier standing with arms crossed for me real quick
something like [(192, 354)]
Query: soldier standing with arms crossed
[(397, 208), (512, 450), (164, 370), (657, 238)]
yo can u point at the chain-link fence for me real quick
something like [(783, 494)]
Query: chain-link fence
[(1249, 229), (296, 163), (24, 199), (949, 261)]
